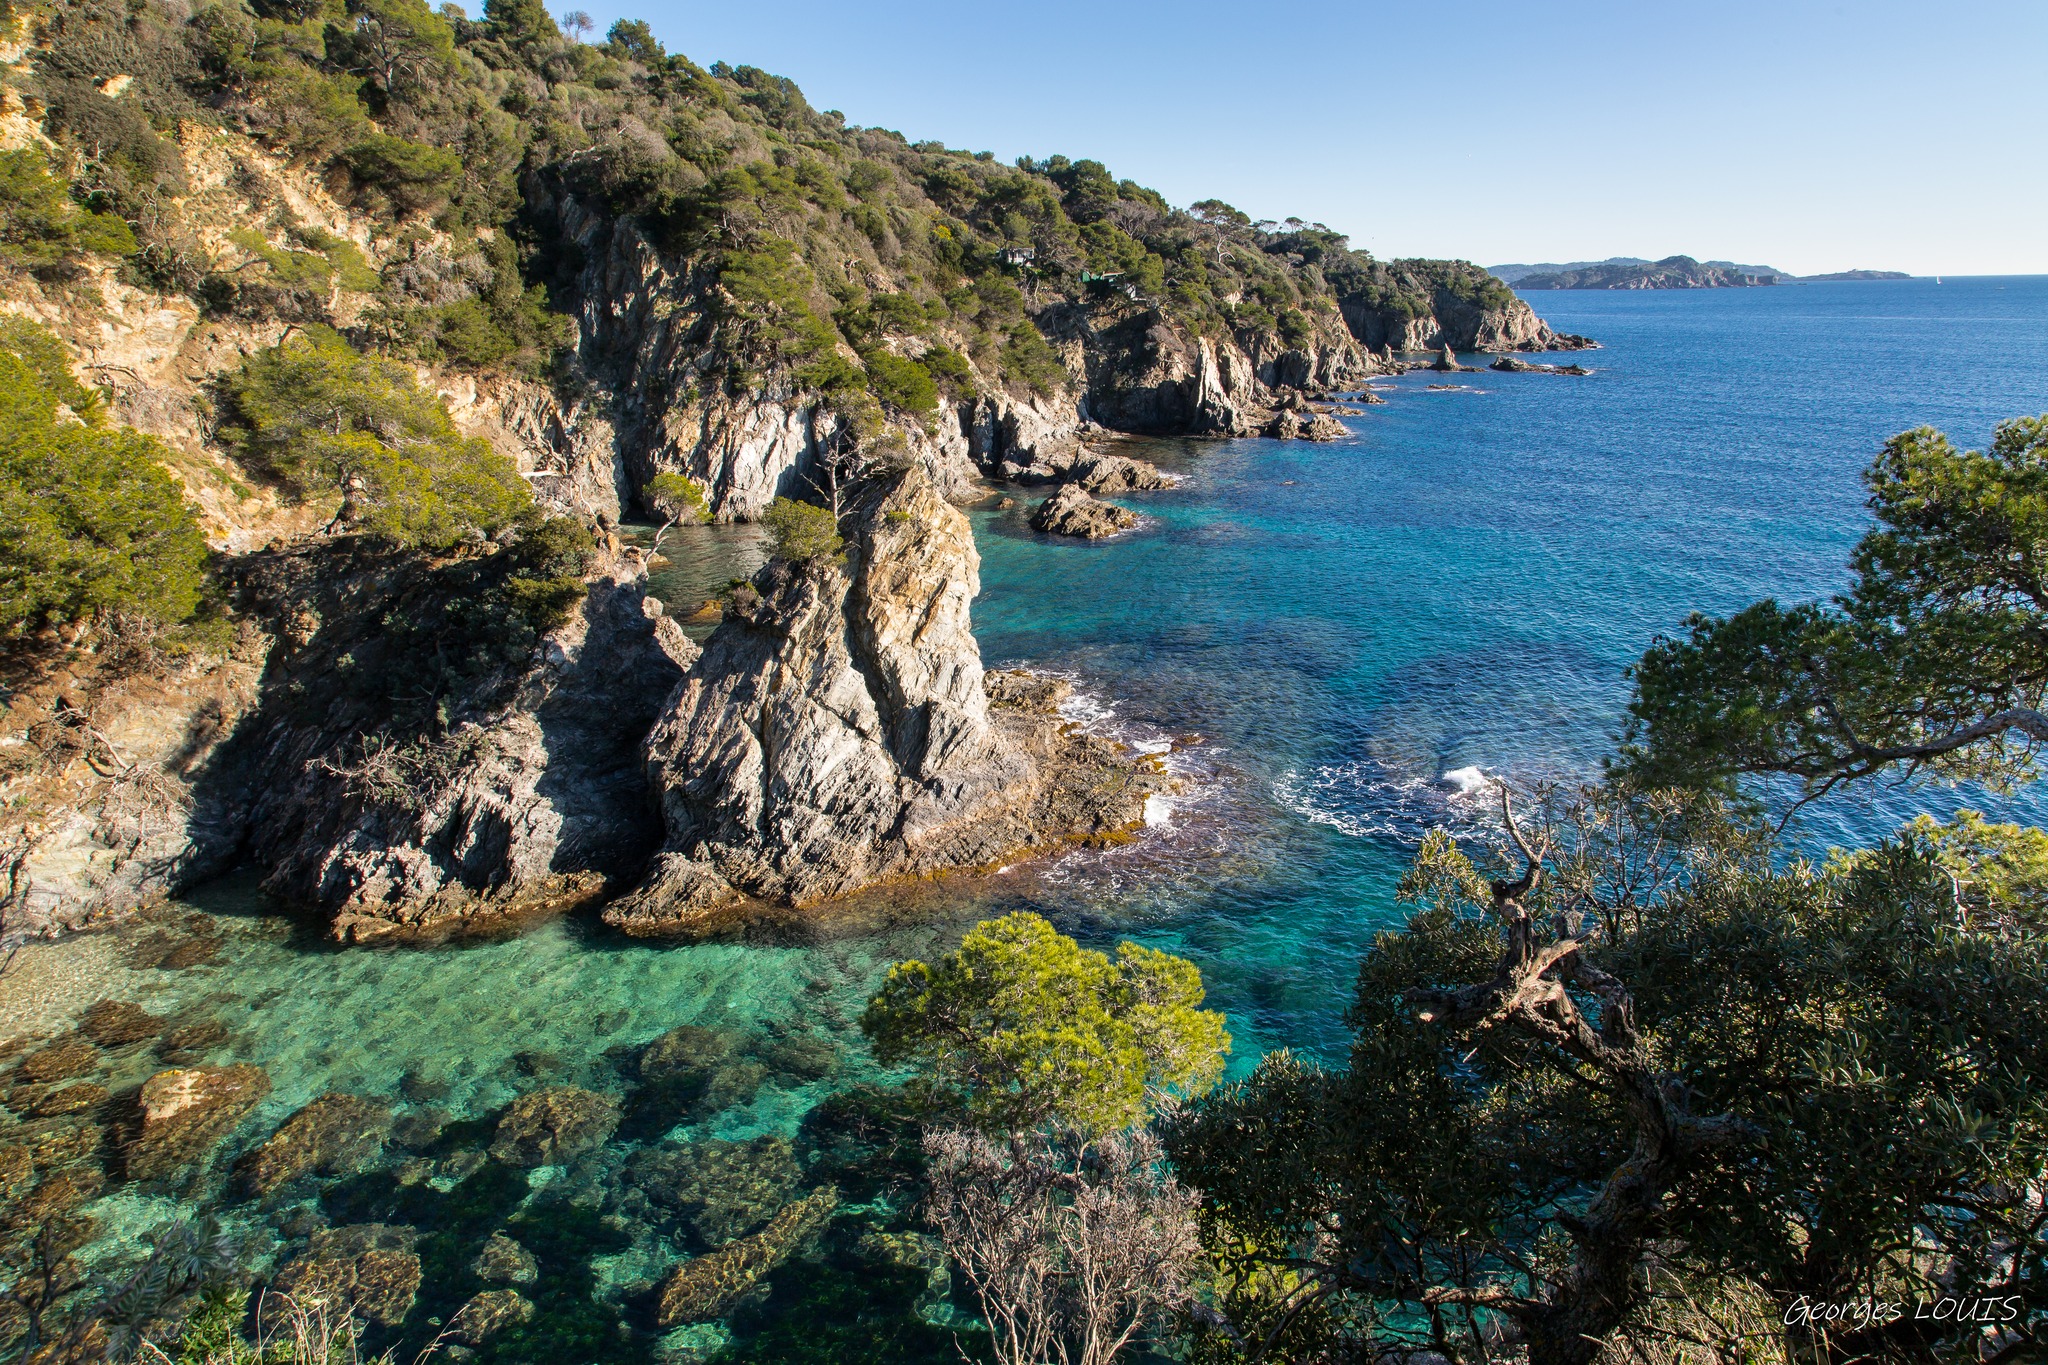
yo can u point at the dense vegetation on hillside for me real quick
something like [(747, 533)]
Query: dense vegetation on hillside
[(828, 238), (886, 276)]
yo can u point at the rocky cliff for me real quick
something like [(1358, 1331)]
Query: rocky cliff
[(525, 797), (837, 730)]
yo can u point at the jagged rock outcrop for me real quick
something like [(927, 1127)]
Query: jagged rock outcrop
[(1305, 426), (836, 731), (1072, 512), (533, 800)]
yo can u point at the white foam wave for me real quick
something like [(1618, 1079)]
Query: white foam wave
[(1368, 799), (1159, 811)]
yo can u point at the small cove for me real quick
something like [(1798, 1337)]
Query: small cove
[(1328, 631)]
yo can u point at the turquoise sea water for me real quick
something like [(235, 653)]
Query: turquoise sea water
[(1334, 634)]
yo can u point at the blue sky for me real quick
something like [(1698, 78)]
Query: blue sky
[(1808, 137)]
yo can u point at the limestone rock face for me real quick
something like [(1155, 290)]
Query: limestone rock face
[(836, 731), (334, 1135), (1071, 512), (186, 1111), (550, 1126), (1457, 323)]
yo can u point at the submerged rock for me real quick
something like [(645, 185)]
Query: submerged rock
[(709, 1286), (1072, 512), (721, 1190), (190, 1042), (334, 1135), (186, 1111), (75, 1098), (549, 1126), (369, 1269), (504, 1261), (693, 1068), (489, 1313), (117, 1023), (68, 1056)]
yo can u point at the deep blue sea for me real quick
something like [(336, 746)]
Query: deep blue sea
[(1334, 640), (1462, 583)]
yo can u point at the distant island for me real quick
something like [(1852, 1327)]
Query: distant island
[(1673, 272), (1857, 275)]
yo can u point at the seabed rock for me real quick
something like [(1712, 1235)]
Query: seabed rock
[(504, 1261), (489, 1313), (334, 1135), (722, 1189), (117, 1023), (186, 1111), (68, 1056), (369, 1268), (549, 1126), (710, 1286)]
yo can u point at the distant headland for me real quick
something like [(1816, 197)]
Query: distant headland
[(1673, 272)]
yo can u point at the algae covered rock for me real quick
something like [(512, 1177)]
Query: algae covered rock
[(504, 1261), (71, 1055), (75, 1098), (489, 1313), (710, 1286), (117, 1023), (692, 1067), (370, 1268), (549, 1126), (186, 1111), (334, 1135), (720, 1189)]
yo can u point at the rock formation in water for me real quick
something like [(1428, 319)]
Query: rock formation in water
[(1072, 512), (836, 731)]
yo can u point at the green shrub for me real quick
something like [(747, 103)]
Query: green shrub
[(90, 521), (1023, 1026), (326, 420), (801, 533), (1028, 360), (902, 384), (39, 223), (675, 497), (409, 177)]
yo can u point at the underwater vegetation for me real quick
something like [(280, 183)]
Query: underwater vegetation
[(648, 1155)]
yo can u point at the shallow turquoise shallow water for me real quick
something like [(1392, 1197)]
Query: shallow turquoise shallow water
[(1459, 584)]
